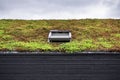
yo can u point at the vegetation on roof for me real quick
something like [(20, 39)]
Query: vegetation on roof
[(87, 35)]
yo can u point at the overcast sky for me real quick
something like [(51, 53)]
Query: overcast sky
[(59, 9)]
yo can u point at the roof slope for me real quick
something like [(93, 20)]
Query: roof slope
[(87, 35)]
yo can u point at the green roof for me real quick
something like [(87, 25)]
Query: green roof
[(87, 35)]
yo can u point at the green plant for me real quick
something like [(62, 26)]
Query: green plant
[(104, 43), (78, 46), (37, 46), (87, 34), (1, 32), (30, 46), (7, 37), (30, 27), (6, 45), (87, 44), (116, 35), (70, 47)]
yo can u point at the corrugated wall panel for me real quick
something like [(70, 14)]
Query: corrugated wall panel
[(60, 67)]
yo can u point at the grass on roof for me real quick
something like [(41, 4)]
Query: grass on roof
[(87, 35)]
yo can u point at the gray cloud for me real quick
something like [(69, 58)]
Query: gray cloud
[(59, 9), (115, 9)]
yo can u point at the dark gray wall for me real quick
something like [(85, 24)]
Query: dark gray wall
[(59, 66)]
